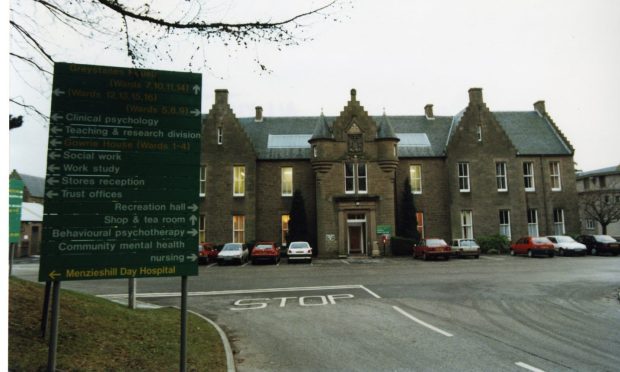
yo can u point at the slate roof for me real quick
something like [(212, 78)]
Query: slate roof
[(600, 172), (36, 185), (530, 133)]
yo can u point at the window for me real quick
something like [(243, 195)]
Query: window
[(202, 224), (284, 224), (532, 222), (479, 133), (315, 151), (617, 198), (415, 178), (238, 229), (467, 227), (238, 180), (203, 181), (501, 176), (586, 184), (590, 224), (420, 217), (463, 177), (602, 181), (287, 181), (528, 176), (554, 170), (355, 178), (558, 221), (504, 223), (220, 135)]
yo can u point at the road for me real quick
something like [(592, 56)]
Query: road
[(495, 313)]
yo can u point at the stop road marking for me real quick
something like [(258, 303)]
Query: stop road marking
[(261, 303)]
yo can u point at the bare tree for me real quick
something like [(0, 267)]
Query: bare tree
[(146, 31), (602, 206)]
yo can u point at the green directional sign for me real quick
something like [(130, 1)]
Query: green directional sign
[(16, 195), (121, 195)]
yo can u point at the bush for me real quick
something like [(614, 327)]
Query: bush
[(493, 244), (402, 246)]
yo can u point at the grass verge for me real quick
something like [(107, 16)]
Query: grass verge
[(99, 335)]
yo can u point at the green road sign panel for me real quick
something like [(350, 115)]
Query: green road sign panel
[(384, 229), (16, 196), (123, 173)]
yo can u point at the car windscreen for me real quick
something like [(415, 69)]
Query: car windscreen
[(435, 242), (565, 239), (299, 245), (468, 243), (232, 247), (604, 239), (263, 246), (541, 241)]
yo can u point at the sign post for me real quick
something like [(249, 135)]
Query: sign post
[(122, 179)]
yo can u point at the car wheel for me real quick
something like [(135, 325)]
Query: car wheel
[(561, 252), (551, 254), (477, 256), (530, 254), (512, 252)]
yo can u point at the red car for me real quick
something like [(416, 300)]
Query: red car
[(206, 253), (428, 248), (265, 251), (533, 246)]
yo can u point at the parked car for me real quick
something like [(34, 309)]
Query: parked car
[(207, 253), (233, 252), (566, 246), (299, 251), (265, 251), (465, 248), (533, 246), (429, 248), (597, 244)]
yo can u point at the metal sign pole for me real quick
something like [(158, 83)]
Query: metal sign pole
[(183, 367), (51, 356), (46, 305), (132, 294)]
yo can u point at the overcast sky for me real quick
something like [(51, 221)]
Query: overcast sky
[(401, 55)]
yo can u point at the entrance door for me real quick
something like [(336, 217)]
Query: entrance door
[(355, 240)]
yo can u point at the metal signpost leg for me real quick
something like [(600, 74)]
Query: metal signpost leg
[(132, 293), (183, 324), (51, 356), (46, 305)]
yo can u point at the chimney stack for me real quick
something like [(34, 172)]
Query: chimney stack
[(221, 96), (428, 110), (539, 106), (259, 114), (475, 95)]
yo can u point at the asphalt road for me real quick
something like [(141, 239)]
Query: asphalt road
[(492, 314)]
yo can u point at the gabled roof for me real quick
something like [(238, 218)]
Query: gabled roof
[(35, 185), (532, 134)]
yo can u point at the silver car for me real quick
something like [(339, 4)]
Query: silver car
[(233, 253), (299, 251), (565, 245)]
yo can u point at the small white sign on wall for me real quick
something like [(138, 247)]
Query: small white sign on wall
[(330, 237)]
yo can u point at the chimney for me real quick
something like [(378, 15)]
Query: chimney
[(259, 114), (475, 95), (428, 110), (539, 106), (221, 96)]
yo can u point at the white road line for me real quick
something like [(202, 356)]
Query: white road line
[(431, 327), (373, 294), (213, 264), (529, 367), (241, 291), (345, 261), (245, 264), (492, 258)]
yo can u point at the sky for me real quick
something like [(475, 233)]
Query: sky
[(399, 56)]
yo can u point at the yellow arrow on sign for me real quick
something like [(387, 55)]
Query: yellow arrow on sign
[(53, 275)]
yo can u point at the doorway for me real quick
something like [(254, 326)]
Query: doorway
[(356, 233)]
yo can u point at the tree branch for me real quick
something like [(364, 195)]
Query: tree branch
[(30, 61), (31, 108), (27, 36)]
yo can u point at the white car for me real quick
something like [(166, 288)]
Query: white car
[(233, 252), (565, 245), (465, 247), (299, 251)]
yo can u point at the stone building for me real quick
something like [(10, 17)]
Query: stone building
[(476, 173), (599, 193), (32, 214)]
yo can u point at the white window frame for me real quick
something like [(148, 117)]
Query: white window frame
[(532, 222), (355, 176), (528, 176), (415, 178), (479, 132), (463, 176), (467, 224), (239, 180), (286, 181), (504, 223), (202, 189), (559, 226), (220, 135), (501, 176), (238, 222), (202, 227), (556, 179), (590, 224)]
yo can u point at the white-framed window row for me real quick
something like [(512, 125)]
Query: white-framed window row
[(220, 135), (203, 182), (590, 224), (532, 222), (467, 225), (238, 180), (463, 175), (501, 176), (286, 174), (355, 178), (415, 178), (528, 176), (558, 221), (504, 223), (238, 229), (556, 180)]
